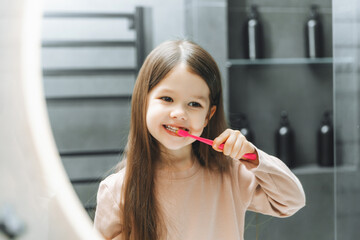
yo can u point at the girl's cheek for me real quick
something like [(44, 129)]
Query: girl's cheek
[(199, 124)]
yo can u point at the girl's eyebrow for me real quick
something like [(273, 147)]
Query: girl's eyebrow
[(167, 90), (201, 98)]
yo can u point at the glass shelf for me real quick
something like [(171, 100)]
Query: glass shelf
[(278, 61)]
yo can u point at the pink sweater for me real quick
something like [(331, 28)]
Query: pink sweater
[(197, 204)]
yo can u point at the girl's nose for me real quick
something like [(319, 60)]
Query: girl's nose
[(178, 113)]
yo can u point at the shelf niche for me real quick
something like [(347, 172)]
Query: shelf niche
[(284, 80)]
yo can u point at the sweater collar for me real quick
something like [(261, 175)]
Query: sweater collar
[(168, 174)]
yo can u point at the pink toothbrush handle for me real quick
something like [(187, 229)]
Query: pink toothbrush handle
[(251, 156), (204, 140)]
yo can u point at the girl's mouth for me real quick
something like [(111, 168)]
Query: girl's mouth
[(173, 129)]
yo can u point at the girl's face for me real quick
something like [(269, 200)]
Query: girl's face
[(180, 100)]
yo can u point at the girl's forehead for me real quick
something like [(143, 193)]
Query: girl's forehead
[(182, 79)]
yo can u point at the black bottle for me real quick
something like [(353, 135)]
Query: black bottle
[(325, 141), (285, 141), (240, 122), (253, 35), (313, 34)]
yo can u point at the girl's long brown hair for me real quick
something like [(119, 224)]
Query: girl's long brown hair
[(141, 216)]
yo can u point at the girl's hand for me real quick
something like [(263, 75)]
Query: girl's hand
[(235, 145)]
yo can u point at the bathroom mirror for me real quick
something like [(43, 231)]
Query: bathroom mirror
[(76, 62)]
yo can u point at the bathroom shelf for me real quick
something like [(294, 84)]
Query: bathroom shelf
[(315, 169), (278, 61)]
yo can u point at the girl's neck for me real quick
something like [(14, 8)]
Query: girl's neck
[(176, 160)]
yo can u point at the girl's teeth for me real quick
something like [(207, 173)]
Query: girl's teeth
[(174, 129)]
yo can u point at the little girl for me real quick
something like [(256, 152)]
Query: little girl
[(173, 187)]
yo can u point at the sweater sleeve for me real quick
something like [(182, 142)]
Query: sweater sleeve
[(276, 190), (107, 215)]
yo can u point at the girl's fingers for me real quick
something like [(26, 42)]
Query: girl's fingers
[(230, 143), (229, 137), (238, 147), (247, 148), (221, 139), (235, 144)]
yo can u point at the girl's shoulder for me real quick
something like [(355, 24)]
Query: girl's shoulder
[(115, 177), (114, 183)]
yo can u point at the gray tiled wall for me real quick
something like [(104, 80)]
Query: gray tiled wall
[(69, 86), (347, 105), (85, 125)]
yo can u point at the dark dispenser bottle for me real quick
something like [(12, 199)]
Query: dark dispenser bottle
[(240, 122), (313, 34), (325, 141), (253, 35), (285, 141)]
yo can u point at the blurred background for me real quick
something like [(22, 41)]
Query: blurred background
[(291, 83)]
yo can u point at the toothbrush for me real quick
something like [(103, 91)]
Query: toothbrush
[(182, 133)]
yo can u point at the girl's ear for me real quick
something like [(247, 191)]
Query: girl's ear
[(212, 111)]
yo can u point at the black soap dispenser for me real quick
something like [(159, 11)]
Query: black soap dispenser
[(253, 35), (285, 141), (325, 141), (313, 34), (239, 121)]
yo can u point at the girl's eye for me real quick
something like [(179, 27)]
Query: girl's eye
[(194, 104), (167, 99)]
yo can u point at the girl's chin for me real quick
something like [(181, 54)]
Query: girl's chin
[(174, 147)]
